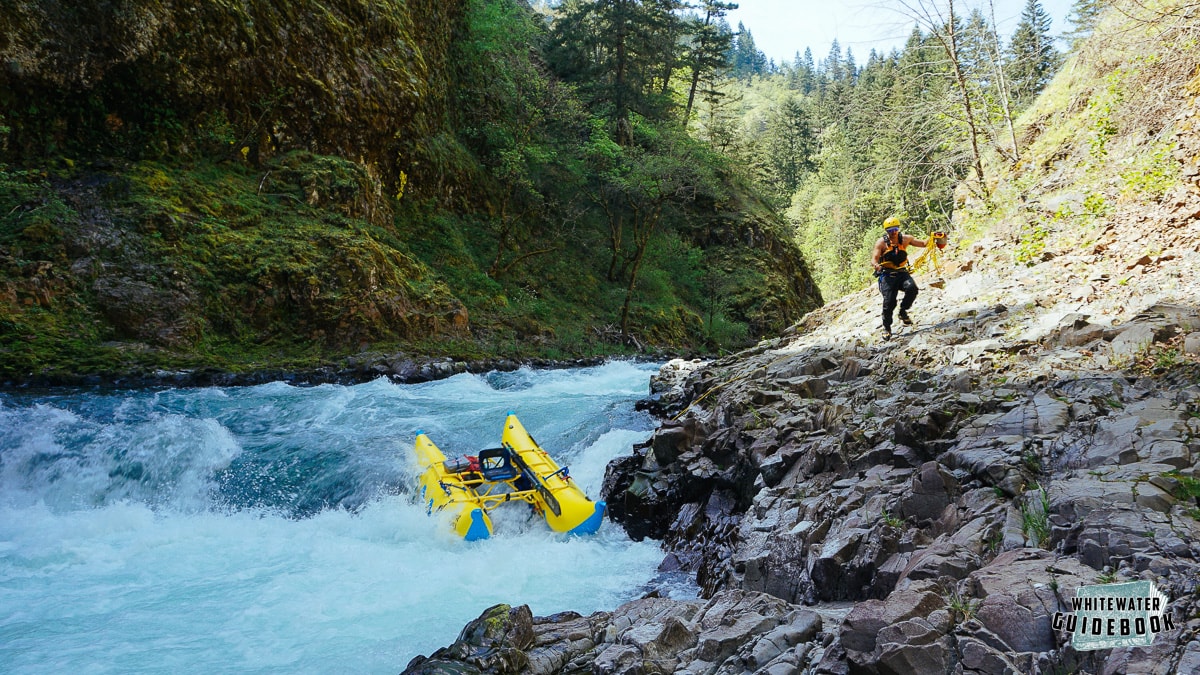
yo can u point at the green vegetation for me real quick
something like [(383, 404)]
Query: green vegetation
[(444, 178), (962, 607), (843, 143), (893, 521), (994, 540), (485, 178), (1035, 517), (1187, 489), (1153, 173), (1098, 143)]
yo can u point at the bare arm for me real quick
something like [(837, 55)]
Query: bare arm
[(876, 253), (913, 241)]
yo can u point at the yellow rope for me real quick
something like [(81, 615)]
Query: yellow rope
[(930, 255)]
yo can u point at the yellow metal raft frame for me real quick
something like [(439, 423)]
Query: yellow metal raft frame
[(520, 470)]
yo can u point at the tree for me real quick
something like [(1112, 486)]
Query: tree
[(833, 91), (615, 51), (1084, 16), (711, 41), (1032, 58), (747, 60), (667, 30), (513, 107), (808, 73), (790, 146), (720, 121), (996, 62), (944, 28), (638, 187)]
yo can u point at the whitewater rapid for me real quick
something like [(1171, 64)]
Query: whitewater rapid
[(272, 528)]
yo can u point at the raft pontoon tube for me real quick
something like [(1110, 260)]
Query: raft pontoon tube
[(453, 494), (564, 505), (467, 488)]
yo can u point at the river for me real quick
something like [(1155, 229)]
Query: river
[(272, 528)]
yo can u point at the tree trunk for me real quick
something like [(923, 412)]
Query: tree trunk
[(952, 51), (687, 113), (641, 239), (633, 275), (1005, 99), (624, 135), (615, 228)]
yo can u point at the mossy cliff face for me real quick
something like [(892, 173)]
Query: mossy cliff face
[(359, 79), (183, 197), (150, 266)]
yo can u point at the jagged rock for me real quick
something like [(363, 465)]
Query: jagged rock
[(860, 631), (1075, 331), (1191, 344), (652, 644), (813, 474), (932, 490), (673, 375), (846, 563), (1019, 593), (943, 559), (675, 437), (807, 387), (978, 657), (994, 461), (562, 638), (914, 646), (1131, 342), (493, 643)]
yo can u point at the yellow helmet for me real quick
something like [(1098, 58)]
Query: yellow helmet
[(891, 222)]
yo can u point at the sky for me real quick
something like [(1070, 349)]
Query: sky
[(783, 27)]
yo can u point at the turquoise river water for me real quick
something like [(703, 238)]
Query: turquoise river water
[(272, 529)]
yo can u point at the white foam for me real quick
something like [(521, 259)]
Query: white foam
[(119, 553)]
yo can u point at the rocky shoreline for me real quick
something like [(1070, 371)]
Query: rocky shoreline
[(919, 506)]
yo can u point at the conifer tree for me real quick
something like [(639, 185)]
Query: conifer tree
[(711, 41), (1084, 15), (616, 50), (808, 77), (1032, 58), (791, 144), (747, 60)]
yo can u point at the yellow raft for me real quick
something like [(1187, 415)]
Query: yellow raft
[(563, 504), (451, 493), (465, 489)]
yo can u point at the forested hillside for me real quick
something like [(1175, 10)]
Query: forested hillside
[(844, 141), (244, 185)]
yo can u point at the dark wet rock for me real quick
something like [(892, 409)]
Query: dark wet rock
[(493, 643), (734, 631)]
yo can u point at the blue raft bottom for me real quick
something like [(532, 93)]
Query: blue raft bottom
[(593, 522), (479, 528)]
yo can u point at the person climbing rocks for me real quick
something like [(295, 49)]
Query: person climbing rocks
[(890, 260)]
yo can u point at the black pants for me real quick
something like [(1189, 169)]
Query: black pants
[(890, 285)]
